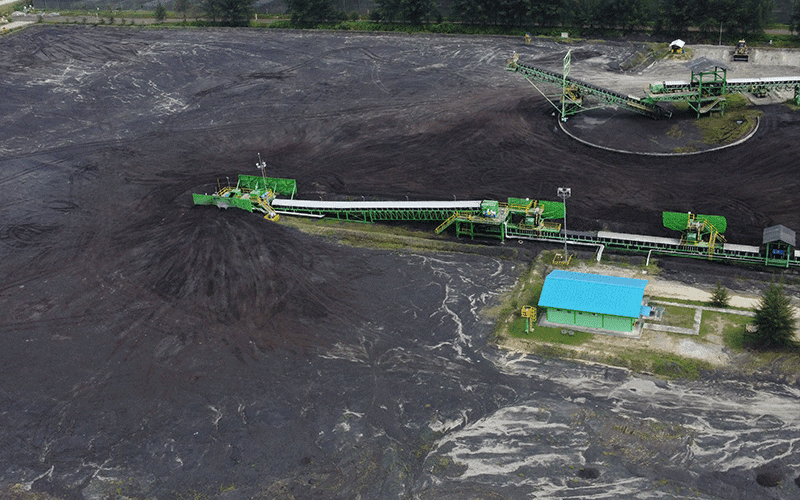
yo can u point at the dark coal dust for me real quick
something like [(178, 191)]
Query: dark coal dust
[(152, 349)]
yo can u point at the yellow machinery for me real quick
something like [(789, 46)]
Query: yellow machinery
[(741, 53), (529, 312)]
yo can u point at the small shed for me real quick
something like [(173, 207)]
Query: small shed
[(780, 242), (677, 46), (592, 300)]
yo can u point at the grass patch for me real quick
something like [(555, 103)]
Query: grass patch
[(738, 119), (734, 338), (681, 317), (729, 326), (665, 365), (380, 236), (673, 366), (675, 132), (552, 335)]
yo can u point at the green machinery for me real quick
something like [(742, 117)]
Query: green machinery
[(709, 85), (705, 92), (573, 91), (702, 236), (697, 230), (250, 193), (472, 218), (520, 216)]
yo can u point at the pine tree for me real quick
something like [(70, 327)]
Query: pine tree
[(719, 296), (160, 13), (182, 6), (309, 11), (774, 321)]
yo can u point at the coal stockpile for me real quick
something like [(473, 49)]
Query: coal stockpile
[(152, 349)]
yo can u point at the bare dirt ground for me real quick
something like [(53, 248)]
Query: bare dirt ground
[(152, 349)]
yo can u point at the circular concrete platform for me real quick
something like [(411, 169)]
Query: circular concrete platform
[(622, 131)]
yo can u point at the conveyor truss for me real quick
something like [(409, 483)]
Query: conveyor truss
[(574, 91), (700, 90), (518, 218), (705, 92)]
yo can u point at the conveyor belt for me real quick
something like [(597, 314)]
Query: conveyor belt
[(612, 97), (370, 211), (733, 85), (377, 205)]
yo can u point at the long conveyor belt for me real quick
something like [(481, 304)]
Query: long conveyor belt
[(369, 211), (612, 97)]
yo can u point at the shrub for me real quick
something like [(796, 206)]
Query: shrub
[(719, 296), (774, 321)]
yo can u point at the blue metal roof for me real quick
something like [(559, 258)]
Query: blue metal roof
[(594, 293)]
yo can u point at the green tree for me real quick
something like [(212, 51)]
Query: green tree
[(750, 16), (307, 11), (774, 321), (182, 6), (211, 9), (412, 11), (794, 23), (417, 11), (628, 15), (719, 296), (470, 11), (511, 12), (675, 16), (589, 14), (160, 13), (228, 12), (237, 12), (549, 13)]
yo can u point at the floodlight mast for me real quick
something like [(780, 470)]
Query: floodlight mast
[(564, 193), (261, 165)]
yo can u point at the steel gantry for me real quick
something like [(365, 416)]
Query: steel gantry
[(709, 84)]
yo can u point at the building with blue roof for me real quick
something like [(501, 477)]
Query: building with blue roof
[(593, 300)]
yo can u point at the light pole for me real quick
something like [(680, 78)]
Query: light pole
[(262, 165), (565, 193)]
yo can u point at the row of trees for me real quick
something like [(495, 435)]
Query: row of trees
[(736, 17), (794, 23), (774, 320), (227, 12), (739, 17)]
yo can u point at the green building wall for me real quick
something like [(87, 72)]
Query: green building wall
[(590, 320)]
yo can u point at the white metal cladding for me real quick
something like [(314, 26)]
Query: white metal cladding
[(640, 238), (747, 249), (377, 205)]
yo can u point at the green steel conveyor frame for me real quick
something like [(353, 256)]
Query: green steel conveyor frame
[(705, 92), (519, 218), (574, 90)]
